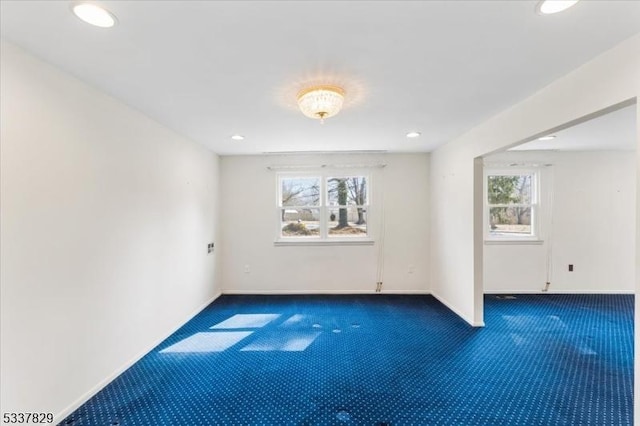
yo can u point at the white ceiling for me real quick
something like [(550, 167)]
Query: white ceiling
[(614, 131), (209, 69)]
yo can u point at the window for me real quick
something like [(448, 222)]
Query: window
[(322, 207), (347, 200), (300, 206), (511, 211)]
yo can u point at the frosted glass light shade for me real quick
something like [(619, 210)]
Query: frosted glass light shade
[(321, 102)]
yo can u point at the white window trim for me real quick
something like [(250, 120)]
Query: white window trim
[(535, 238), (323, 239), (355, 241)]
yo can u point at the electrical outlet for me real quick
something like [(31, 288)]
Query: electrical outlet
[(247, 269), (570, 268), (209, 248), (411, 269)]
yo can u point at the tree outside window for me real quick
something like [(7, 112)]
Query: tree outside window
[(323, 207), (511, 205), (300, 202), (349, 195)]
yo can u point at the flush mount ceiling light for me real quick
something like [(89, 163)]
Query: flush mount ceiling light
[(547, 138), (94, 14), (548, 7), (237, 137), (413, 134), (321, 102)]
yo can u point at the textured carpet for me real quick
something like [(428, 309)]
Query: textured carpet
[(383, 360)]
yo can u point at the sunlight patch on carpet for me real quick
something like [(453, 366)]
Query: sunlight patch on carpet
[(207, 342), (288, 342), (246, 321), (293, 320)]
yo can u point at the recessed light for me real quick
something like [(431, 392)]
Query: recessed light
[(413, 134), (549, 7), (237, 137), (547, 138), (94, 14)]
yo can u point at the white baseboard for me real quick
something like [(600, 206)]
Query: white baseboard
[(557, 292), (97, 388), (321, 292), (449, 305)]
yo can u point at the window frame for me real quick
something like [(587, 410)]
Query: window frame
[(534, 205), (323, 238)]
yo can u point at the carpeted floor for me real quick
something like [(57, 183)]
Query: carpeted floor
[(383, 360)]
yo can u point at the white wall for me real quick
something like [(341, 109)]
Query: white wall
[(592, 226), (456, 258), (248, 200), (636, 347), (106, 216)]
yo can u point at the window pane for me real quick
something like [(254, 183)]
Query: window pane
[(349, 221), (509, 189), (300, 191), (347, 191), (510, 221), (300, 222)]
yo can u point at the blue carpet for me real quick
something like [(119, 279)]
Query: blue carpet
[(382, 360)]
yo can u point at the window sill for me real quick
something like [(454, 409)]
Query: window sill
[(513, 242), (353, 242)]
